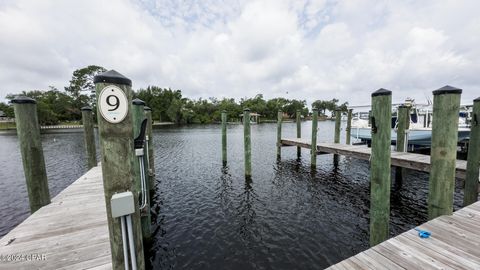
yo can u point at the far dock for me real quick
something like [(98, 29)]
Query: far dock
[(407, 160)]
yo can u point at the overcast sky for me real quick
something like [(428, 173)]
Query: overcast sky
[(295, 49)]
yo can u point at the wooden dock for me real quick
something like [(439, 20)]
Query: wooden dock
[(454, 244), (412, 161), (69, 233)]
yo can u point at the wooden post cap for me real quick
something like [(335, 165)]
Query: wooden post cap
[(224, 111), (246, 110), (477, 99), (447, 89), (382, 92), (86, 108), (112, 76), (23, 100), (146, 108), (138, 101)]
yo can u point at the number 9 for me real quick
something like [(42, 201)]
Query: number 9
[(116, 104)]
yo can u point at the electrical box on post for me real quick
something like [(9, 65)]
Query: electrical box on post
[(122, 204)]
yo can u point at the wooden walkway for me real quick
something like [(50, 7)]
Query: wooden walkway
[(412, 161), (454, 244), (69, 233)]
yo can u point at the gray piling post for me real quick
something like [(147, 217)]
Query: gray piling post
[(224, 138), (313, 150), (279, 134), (336, 139), (138, 114), (348, 129), (247, 143), (115, 129), (28, 132), (443, 156), (403, 118), (151, 157), (380, 182), (89, 136), (473, 158), (299, 131)]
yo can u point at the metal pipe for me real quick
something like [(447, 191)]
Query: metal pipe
[(131, 242), (124, 240)]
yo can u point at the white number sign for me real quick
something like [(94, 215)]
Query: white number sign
[(112, 104)]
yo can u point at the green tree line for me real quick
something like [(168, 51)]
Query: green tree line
[(55, 106)]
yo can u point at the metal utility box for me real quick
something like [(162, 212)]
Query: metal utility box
[(122, 204)]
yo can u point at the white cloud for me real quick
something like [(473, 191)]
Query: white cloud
[(310, 49)]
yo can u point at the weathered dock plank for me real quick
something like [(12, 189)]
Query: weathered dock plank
[(412, 161), (454, 244), (69, 233)]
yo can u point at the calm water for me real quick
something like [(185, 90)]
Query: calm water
[(209, 217)]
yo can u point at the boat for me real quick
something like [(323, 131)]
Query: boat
[(419, 135)]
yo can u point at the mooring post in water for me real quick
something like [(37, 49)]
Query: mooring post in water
[(247, 143), (403, 120), (313, 150), (299, 131), (115, 129), (473, 157), (443, 155), (279, 134), (28, 132), (224, 138), (336, 139), (89, 136), (142, 184), (348, 129), (149, 143), (380, 166)]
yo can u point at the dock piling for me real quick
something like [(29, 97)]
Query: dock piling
[(224, 138), (279, 134), (247, 143), (348, 129), (336, 139), (138, 116), (149, 143), (380, 166), (446, 106), (473, 157), (28, 132), (299, 131), (89, 136), (115, 129), (403, 119), (313, 151)]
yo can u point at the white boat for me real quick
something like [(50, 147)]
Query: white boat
[(420, 131)]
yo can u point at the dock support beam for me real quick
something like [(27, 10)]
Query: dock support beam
[(247, 143), (348, 129), (116, 144), (380, 166), (151, 157), (89, 136), (446, 106), (299, 131), (28, 132), (473, 158), (313, 151), (224, 138), (403, 119), (336, 139), (279, 134)]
